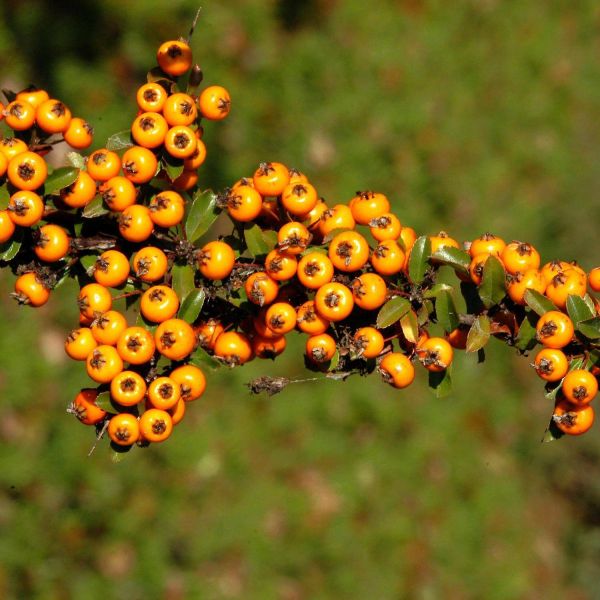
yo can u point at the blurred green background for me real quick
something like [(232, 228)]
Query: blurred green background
[(471, 116)]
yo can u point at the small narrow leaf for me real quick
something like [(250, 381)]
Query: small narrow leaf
[(392, 311), (103, 401), (424, 312), (526, 338), (255, 242), (76, 160), (333, 233), (119, 141), (192, 305), (9, 250), (538, 302), (552, 432), (588, 300), (119, 452), (419, 259), (456, 258), (479, 334), (201, 358), (440, 382), (492, 289), (96, 208), (172, 166), (410, 327), (578, 309), (88, 262), (590, 328), (201, 214), (4, 197), (436, 289), (59, 179), (446, 312), (182, 280)]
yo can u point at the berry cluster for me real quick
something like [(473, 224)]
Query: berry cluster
[(127, 222)]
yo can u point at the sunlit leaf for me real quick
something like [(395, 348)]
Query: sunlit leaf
[(590, 328), (76, 160), (255, 241), (552, 432), (456, 258), (538, 302), (172, 166), (88, 262), (526, 338), (418, 262), (4, 196), (392, 311), (578, 309), (440, 382), (182, 280), (410, 327), (479, 334), (201, 358), (59, 179), (96, 208), (104, 401), (11, 248), (202, 212), (436, 289), (446, 312), (192, 305), (119, 141), (492, 289)]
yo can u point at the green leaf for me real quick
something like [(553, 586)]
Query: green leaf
[(578, 309), (192, 305), (104, 401), (173, 166), (201, 358), (436, 289), (424, 312), (419, 259), (88, 262), (119, 452), (255, 241), (410, 327), (479, 334), (11, 248), (96, 208), (141, 321), (588, 300), (446, 312), (492, 289), (392, 311), (119, 141), (333, 233), (76, 160), (201, 214), (456, 258), (440, 382), (590, 328), (538, 303), (4, 197), (552, 432), (526, 338), (59, 179), (182, 280)]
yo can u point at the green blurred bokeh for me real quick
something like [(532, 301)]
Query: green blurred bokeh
[(471, 116)]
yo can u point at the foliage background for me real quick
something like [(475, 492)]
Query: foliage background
[(471, 116)]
